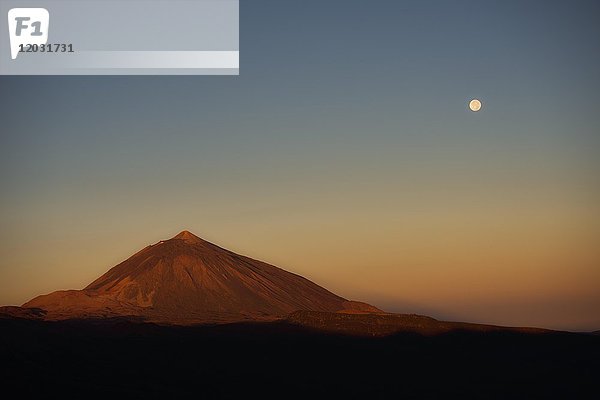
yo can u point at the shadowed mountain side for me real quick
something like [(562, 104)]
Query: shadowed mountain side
[(187, 280), (343, 323), (388, 324), (10, 312)]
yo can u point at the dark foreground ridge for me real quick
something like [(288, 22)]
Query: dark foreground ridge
[(282, 359)]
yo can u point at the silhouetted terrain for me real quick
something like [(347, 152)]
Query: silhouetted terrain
[(115, 357)]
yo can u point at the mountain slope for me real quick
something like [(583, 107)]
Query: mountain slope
[(188, 280)]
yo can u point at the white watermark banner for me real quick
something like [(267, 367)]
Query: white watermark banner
[(127, 37)]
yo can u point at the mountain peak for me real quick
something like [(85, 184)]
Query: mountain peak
[(192, 281), (188, 237)]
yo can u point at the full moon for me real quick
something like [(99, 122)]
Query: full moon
[(475, 105)]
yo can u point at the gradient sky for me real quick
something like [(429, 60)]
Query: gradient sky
[(344, 152)]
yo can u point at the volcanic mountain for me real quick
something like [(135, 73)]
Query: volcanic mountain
[(186, 280)]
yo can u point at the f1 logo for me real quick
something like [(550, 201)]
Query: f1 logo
[(27, 26)]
